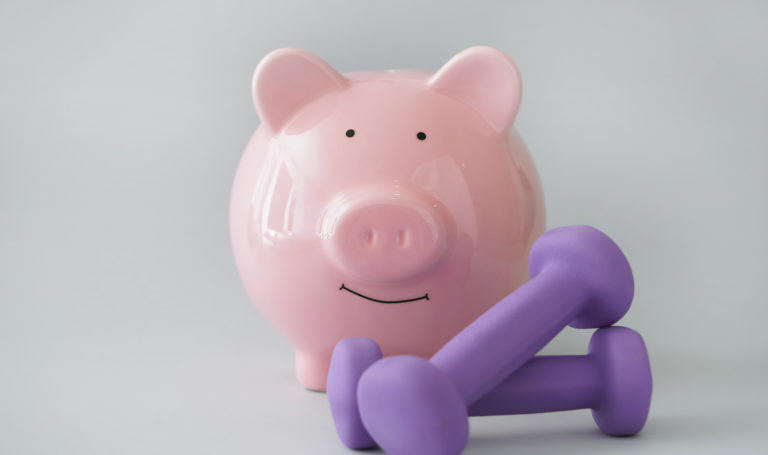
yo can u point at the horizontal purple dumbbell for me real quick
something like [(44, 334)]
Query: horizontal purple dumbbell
[(613, 379), (408, 405)]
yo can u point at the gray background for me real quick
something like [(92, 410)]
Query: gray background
[(124, 328)]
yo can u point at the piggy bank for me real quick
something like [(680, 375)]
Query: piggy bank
[(396, 205)]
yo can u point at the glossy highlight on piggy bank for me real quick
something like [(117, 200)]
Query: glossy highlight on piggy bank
[(397, 206)]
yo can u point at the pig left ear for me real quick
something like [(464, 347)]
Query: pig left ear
[(286, 80), (486, 80)]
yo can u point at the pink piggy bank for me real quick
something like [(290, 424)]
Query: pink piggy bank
[(396, 205)]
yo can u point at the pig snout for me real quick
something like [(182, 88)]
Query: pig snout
[(386, 236)]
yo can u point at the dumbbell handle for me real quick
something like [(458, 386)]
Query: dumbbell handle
[(544, 384), (497, 343)]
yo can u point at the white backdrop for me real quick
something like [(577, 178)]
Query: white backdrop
[(123, 325)]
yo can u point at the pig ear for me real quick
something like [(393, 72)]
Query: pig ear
[(286, 80), (486, 80)]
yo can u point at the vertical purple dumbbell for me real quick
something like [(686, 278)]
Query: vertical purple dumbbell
[(408, 405)]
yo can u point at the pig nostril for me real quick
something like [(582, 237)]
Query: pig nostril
[(402, 239), (369, 237)]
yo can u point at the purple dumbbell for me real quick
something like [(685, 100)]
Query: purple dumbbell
[(409, 405), (614, 380)]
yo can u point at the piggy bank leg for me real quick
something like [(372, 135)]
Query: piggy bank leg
[(312, 369)]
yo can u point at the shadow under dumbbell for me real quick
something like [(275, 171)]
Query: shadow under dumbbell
[(572, 433), (569, 432)]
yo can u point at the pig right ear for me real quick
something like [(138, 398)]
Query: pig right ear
[(286, 80), (484, 79)]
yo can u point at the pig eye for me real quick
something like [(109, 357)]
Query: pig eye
[(421, 135), (350, 133)]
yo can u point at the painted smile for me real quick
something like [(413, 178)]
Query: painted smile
[(344, 288)]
